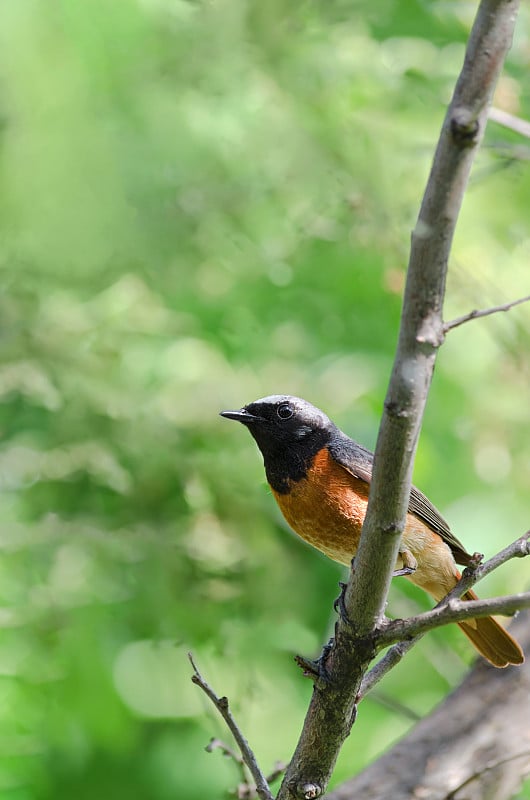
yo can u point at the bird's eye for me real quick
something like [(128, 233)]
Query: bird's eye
[(284, 411)]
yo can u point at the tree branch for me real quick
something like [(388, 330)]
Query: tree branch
[(221, 704), (518, 549), (448, 611), (476, 744), (333, 706), (476, 314), (390, 660)]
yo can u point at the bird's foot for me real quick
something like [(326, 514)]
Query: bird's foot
[(410, 565), (398, 573), (340, 603)]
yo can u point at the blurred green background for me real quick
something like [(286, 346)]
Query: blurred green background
[(203, 203)]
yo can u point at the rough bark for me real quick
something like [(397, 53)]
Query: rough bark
[(474, 746)]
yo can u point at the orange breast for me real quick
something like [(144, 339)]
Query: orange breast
[(327, 508)]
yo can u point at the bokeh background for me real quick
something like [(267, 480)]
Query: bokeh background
[(203, 203)]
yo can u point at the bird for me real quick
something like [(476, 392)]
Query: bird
[(320, 479)]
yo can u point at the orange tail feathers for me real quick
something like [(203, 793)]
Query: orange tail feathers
[(490, 639)]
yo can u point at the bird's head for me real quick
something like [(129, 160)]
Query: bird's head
[(281, 423)]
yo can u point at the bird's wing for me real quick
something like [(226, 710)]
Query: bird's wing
[(357, 460)]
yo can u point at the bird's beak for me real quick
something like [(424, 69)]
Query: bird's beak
[(241, 416)]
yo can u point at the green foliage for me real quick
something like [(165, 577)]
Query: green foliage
[(203, 203)]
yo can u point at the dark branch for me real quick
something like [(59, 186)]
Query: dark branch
[(221, 704), (483, 723), (476, 314)]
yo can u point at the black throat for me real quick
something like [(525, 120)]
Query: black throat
[(288, 459)]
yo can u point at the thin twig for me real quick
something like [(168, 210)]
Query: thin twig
[(389, 702), (217, 744), (221, 704), (521, 126), (391, 658), (450, 611), (482, 722), (277, 772), (492, 765), (518, 549), (485, 312)]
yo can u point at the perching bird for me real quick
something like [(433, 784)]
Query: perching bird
[(321, 479)]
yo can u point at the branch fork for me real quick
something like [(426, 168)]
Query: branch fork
[(486, 312), (221, 703), (401, 634), (332, 708)]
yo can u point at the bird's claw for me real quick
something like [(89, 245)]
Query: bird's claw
[(398, 573), (410, 565), (340, 604)]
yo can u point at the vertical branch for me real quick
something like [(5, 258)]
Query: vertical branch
[(476, 744), (421, 330), (332, 708)]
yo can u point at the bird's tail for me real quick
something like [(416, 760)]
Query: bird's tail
[(490, 639)]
